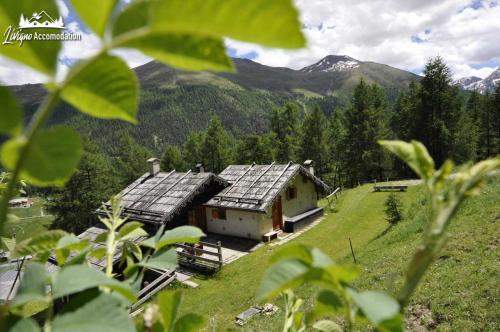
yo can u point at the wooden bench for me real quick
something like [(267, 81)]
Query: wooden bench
[(401, 187), (270, 236), (295, 223)]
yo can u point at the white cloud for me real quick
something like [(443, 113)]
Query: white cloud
[(369, 30), (381, 31)]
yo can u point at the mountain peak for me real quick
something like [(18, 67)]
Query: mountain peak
[(332, 63), (481, 85)]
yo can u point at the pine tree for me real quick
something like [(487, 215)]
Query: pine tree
[(192, 149), (255, 148), (314, 143), (393, 209), (172, 159), (489, 125), (131, 161), (94, 182), (366, 123), (440, 106), (216, 153), (336, 139), (285, 126)]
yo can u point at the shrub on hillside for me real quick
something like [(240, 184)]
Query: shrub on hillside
[(393, 209)]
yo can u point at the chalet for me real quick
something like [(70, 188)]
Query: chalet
[(263, 200), (169, 198), (20, 202)]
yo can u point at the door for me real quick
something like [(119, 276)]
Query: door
[(197, 217), (277, 214), (201, 218)]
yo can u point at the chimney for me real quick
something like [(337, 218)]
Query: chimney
[(308, 164), (154, 166), (199, 168)]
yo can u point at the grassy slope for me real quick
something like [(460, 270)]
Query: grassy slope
[(460, 288), (30, 221)]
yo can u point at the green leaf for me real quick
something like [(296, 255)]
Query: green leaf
[(10, 113), (299, 252), (65, 245), (285, 274), (394, 324), (343, 273), (9, 243), (183, 50), (130, 230), (270, 23), (327, 304), (76, 278), (106, 89), (32, 286), (38, 54), (21, 324), (414, 154), (39, 243), (188, 234), (327, 326), (169, 305), (52, 158), (135, 16), (95, 13), (162, 259), (93, 311), (189, 323), (376, 306)]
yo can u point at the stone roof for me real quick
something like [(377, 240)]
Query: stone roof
[(254, 187)]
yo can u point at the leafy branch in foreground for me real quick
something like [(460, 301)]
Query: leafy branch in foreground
[(186, 35), (297, 265)]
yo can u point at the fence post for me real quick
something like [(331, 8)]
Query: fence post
[(219, 250), (352, 251)]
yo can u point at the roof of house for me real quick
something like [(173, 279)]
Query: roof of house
[(91, 234), (159, 198), (254, 187)]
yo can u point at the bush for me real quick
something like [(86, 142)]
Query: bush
[(393, 209)]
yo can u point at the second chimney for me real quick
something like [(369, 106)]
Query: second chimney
[(308, 164), (154, 166), (199, 168)]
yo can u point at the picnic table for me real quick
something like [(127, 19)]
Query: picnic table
[(399, 187)]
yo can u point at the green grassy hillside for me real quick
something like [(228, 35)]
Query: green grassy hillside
[(30, 221), (460, 289)]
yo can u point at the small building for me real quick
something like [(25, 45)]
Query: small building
[(169, 198), (263, 200), (22, 202)]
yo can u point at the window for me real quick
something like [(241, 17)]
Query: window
[(291, 192), (219, 213), (222, 214)]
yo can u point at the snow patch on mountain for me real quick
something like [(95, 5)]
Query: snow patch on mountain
[(481, 85), (332, 63)]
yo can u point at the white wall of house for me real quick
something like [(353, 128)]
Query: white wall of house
[(306, 197), (253, 225), (245, 224)]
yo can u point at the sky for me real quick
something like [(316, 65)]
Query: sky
[(400, 33)]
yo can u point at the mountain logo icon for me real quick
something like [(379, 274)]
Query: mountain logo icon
[(40, 20)]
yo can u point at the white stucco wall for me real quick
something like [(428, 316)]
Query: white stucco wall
[(252, 225), (246, 224), (306, 197)]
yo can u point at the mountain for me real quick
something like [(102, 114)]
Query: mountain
[(174, 102), (487, 84), (465, 82), (332, 63)]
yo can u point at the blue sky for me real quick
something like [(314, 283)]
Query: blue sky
[(403, 34)]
